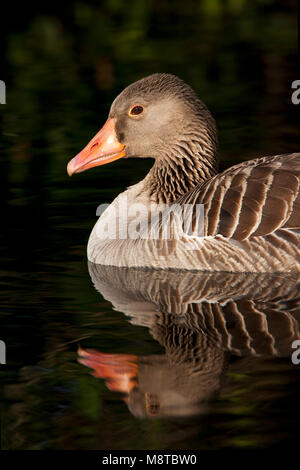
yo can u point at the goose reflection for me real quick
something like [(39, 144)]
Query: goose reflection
[(203, 321)]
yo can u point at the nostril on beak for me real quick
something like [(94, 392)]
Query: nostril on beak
[(94, 146)]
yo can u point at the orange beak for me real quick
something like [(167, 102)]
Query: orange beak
[(103, 148), (119, 370)]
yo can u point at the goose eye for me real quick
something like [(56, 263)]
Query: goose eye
[(135, 110)]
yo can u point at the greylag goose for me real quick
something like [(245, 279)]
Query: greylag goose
[(250, 217), (203, 321)]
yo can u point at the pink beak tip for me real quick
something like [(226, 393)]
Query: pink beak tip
[(70, 169)]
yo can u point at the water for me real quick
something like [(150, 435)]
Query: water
[(180, 361)]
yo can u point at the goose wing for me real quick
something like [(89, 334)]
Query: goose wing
[(251, 199)]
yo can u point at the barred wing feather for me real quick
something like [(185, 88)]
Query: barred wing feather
[(251, 199)]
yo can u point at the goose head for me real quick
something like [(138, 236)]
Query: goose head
[(160, 117)]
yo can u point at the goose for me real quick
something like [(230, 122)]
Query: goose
[(204, 322), (250, 217)]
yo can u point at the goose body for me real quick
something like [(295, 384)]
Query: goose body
[(250, 216)]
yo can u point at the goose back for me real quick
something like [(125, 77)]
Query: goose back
[(255, 198)]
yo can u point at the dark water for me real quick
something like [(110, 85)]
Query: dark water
[(180, 361)]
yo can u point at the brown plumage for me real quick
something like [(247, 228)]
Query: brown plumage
[(251, 199), (251, 211)]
